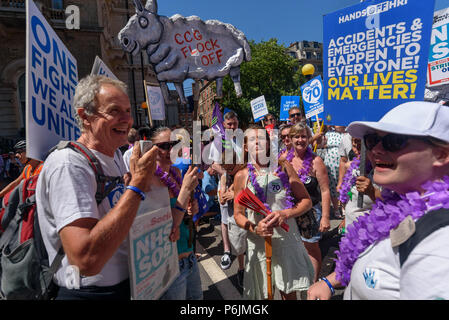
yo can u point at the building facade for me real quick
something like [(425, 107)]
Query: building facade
[(308, 52), (207, 95), (100, 23)]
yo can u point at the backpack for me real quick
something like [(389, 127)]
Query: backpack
[(25, 271), (424, 226)]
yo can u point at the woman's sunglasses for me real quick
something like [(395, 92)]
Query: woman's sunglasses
[(390, 142), (166, 145)]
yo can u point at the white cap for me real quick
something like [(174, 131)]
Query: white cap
[(416, 118)]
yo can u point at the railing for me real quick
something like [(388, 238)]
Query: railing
[(56, 14), (17, 4)]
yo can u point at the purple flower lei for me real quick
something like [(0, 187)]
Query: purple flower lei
[(168, 181), (261, 194), (348, 180), (290, 154), (303, 173), (384, 216)]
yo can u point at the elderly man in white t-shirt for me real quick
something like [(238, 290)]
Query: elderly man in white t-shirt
[(92, 235)]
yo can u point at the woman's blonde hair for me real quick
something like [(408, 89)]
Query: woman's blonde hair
[(298, 128)]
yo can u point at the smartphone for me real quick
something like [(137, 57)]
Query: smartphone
[(145, 145)]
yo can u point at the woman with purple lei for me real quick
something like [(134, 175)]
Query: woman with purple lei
[(286, 151), (398, 250), (282, 192), (312, 172)]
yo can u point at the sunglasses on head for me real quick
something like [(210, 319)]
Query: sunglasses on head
[(390, 142), (166, 145)]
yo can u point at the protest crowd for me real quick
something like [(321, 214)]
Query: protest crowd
[(273, 191)]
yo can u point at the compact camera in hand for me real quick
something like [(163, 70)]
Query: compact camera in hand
[(145, 145)]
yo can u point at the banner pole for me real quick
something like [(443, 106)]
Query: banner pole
[(148, 103), (362, 171), (319, 126)]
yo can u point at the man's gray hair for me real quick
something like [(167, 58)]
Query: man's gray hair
[(229, 115), (86, 92)]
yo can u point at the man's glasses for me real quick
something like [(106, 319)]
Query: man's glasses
[(298, 114), (269, 120), (390, 142), (166, 145), (283, 136)]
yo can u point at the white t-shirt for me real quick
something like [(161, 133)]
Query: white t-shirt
[(377, 274), (65, 193), (127, 156), (345, 145)]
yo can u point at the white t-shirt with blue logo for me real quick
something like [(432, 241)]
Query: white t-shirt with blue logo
[(377, 274), (65, 193)]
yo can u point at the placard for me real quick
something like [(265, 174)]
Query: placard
[(375, 57), (438, 68), (156, 102), (259, 108), (153, 258), (312, 97), (51, 78), (287, 102), (102, 69)]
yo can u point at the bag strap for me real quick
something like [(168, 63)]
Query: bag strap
[(425, 226), (100, 177)]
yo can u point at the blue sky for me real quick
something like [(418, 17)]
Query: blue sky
[(286, 20)]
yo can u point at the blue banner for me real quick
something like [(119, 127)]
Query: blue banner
[(375, 57), (287, 102), (312, 97)]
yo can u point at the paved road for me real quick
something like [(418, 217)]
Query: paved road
[(221, 284)]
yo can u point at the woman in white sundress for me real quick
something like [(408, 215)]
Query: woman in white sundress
[(292, 269)]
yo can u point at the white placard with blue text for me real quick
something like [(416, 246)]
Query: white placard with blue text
[(259, 108), (156, 102), (312, 97), (51, 78), (153, 258), (102, 69), (438, 69), (287, 102), (375, 57)]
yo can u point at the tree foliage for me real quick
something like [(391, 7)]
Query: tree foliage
[(271, 73)]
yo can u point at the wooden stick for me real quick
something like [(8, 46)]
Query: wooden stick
[(268, 254), (321, 129), (148, 103), (362, 171)]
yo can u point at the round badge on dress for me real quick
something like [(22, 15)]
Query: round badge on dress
[(274, 187)]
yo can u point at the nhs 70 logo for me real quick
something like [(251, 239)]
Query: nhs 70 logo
[(115, 194)]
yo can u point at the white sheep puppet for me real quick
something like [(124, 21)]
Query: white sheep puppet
[(186, 47)]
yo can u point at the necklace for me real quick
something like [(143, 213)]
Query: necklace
[(384, 216), (260, 192), (303, 173), (290, 154), (348, 180), (166, 178)]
